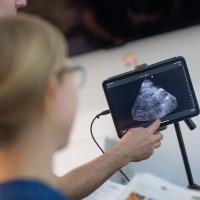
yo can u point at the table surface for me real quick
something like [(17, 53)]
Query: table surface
[(166, 161)]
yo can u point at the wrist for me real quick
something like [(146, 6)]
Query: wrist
[(121, 157)]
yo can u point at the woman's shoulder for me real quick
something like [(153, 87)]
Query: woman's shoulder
[(29, 190)]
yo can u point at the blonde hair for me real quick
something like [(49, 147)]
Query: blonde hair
[(30, 50)]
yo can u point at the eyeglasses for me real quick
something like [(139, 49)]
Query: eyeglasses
[(79, 75)]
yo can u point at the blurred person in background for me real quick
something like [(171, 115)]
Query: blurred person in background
[(92, 24), (116, 21), (107, 19)]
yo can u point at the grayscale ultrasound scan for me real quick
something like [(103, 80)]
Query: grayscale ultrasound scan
[(153, 102)]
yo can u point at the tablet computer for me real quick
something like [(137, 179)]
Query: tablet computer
[(160, 91)]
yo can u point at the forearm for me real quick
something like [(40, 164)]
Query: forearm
[(136, 145), (82, 181), (91, 23)]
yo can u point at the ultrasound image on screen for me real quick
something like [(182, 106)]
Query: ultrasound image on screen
[(164, 95), (153, 102)]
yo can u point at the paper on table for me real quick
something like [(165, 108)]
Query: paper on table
[(147, 186), (108, 191)]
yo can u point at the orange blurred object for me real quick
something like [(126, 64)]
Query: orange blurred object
[(131, 60)]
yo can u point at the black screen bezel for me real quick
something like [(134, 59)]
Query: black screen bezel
[(150, 67)]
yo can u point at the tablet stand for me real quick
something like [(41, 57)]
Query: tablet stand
[(191, 125)]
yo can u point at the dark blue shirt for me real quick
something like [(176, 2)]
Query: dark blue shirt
[(28, 190)]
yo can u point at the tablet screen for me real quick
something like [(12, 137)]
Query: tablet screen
[(161, 92)]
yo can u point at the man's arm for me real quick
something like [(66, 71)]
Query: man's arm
[(138, 144), (92, 25)]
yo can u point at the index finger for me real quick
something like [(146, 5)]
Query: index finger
[(154, 126)]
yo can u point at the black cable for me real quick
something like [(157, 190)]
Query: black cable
[(106, 112)]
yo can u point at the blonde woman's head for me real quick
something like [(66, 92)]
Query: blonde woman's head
[(32, 52)]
